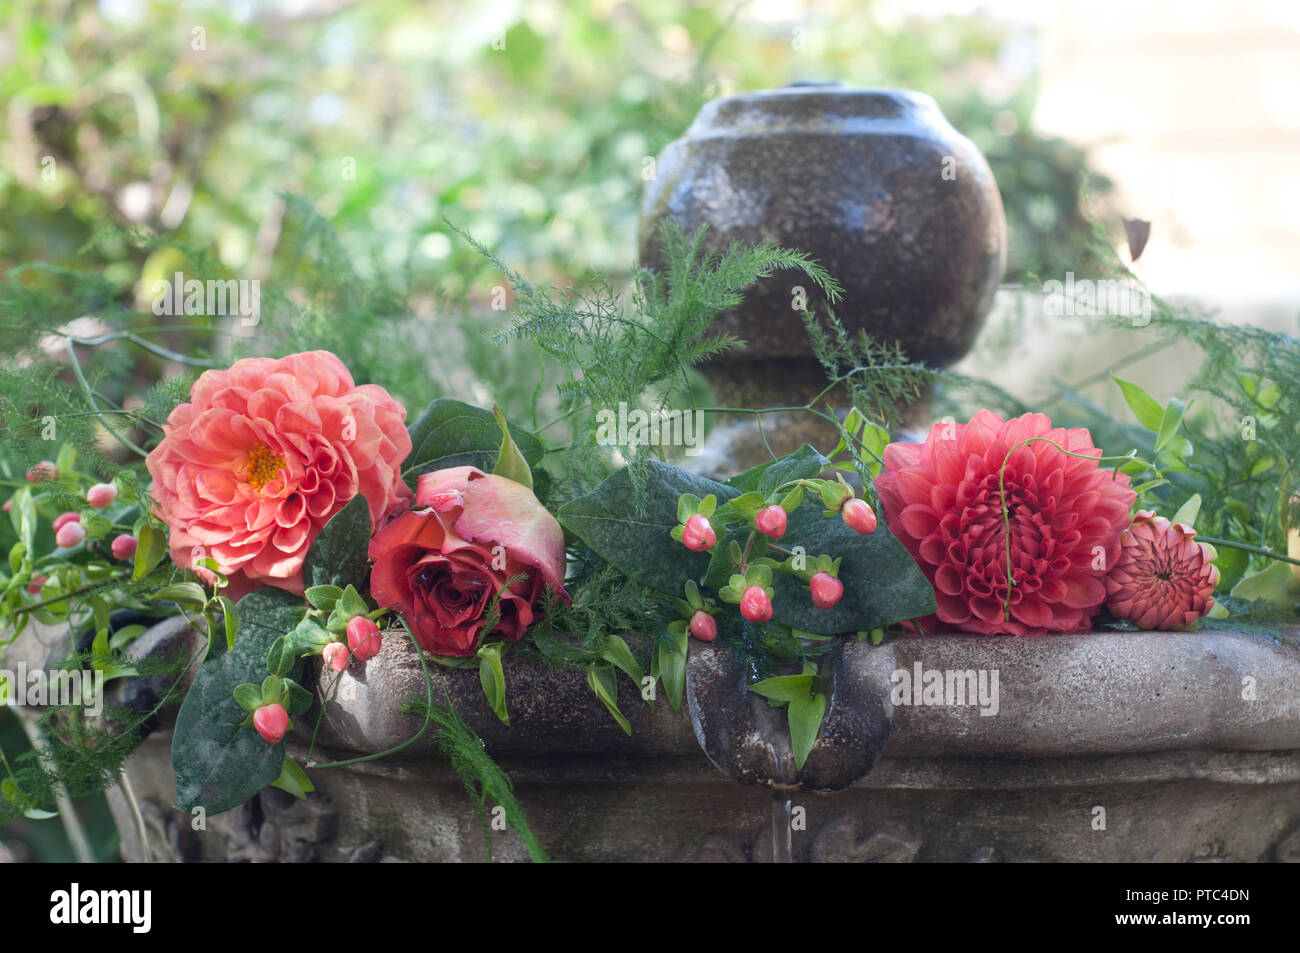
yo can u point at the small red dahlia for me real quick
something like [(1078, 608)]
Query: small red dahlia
[(1164, 579), (1066, 513)]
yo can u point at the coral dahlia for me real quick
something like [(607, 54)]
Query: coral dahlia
[(941, 499), (261, 457), (1164, 579)]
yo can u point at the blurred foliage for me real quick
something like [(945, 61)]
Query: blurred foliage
[(526, 124)]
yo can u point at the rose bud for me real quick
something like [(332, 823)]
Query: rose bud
[(63, 519), (101, 495), (34, 587), (336, 656), (858, 516), (124, 546), (42, 472), (770, 521), (69, 535), (271, 722), (703, 626), (826, 590), (698, 535), (755, 605), (364, 638)]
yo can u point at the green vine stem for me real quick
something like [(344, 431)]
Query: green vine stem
[(1247, 547)]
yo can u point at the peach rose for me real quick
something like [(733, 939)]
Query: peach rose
[(252, 468)]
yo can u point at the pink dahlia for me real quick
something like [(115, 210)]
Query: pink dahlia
[(1164, 579), (941, 500), (264, 454)]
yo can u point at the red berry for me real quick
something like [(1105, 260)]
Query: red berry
[(9, 505), (336, 656), (124, 546), (703, 626), (101, 495), (34, 587), (42, 472), (770, 521), (70, 534), (858, 516), (364, 638), (826, 590), (698, 535), (63, 519), (271, 722), (755, 605)]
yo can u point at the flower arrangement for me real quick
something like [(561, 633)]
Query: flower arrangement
[(306, 523)]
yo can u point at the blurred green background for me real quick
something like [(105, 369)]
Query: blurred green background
[(526, 124)]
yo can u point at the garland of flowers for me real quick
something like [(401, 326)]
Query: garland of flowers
[(297, 518)]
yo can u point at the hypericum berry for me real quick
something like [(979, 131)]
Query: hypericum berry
[(364, 638), (63, 519), (336, 656), (9, 505), (826, 590), (755, 605), (698, 535), (42, 472), (101, 495), (271, 722), (770, 521), (69, 535), (34, 587), (703, 626), (858, 516), (124, 546)]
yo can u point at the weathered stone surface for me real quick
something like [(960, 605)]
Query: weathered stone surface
[(1115, 747), (749, 739)]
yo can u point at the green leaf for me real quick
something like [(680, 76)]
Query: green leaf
[(672, 649), (641, 547), (295, 699), (451, 433), (248, 696), (219, 763), (614, 649), (1169, 422), (1276, 585), (510, 462), (337, 556), (306, 638), (294, 780), (183, 593), (1188, 512), (231, 615), (151, 547), (493, 677), (1145, 408), (805, 715), (784, 688), (602, 682), (323, 597), (803, 464)]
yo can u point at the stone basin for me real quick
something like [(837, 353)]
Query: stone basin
[(1111, 746)]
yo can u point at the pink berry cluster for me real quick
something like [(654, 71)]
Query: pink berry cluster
[(70, 531), (752, 524)]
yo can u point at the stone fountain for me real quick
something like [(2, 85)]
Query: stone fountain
[(1099, 747)]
